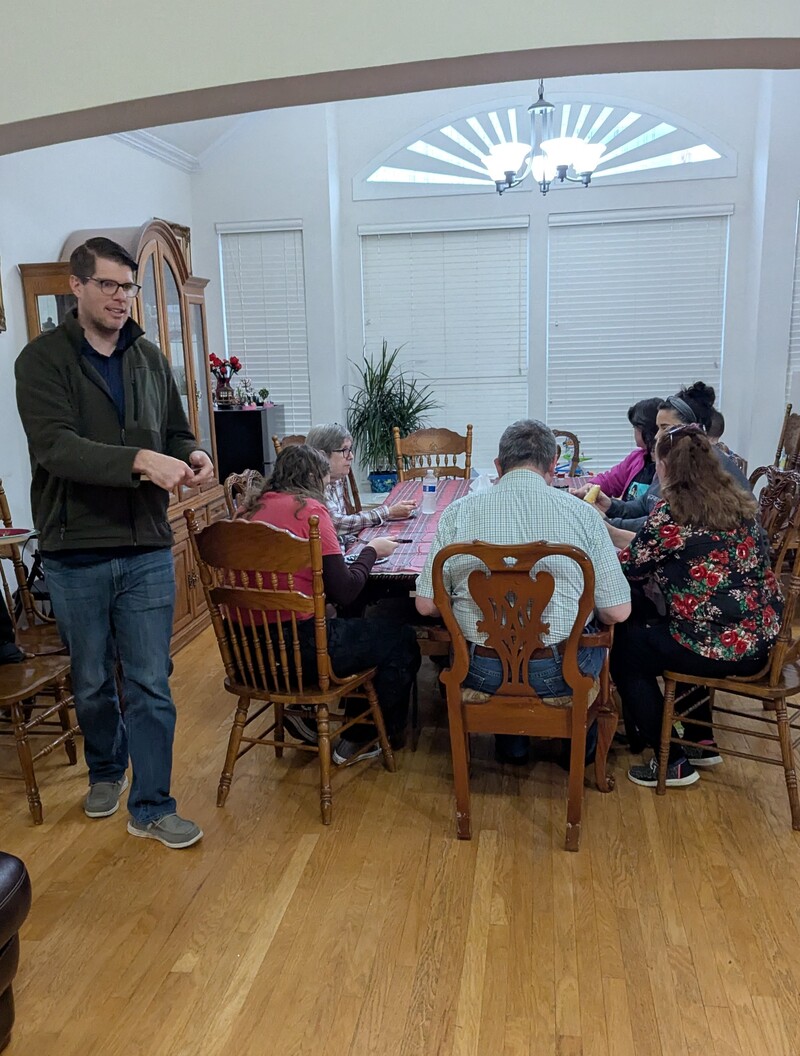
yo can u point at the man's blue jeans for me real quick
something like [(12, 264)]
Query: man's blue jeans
[(545, 676), (121, 609)]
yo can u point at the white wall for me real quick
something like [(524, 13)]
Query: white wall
[(277, 165), (46, 194)]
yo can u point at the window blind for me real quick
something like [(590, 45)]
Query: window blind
[(457, 301), (265, 316), (793, 366), (635, 309)]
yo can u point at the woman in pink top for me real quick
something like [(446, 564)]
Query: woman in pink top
[(294, 493), (637, 469)]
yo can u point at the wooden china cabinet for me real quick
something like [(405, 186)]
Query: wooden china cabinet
[(171, 310)]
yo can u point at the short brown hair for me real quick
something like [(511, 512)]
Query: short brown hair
[(699, 490), (83, 260)]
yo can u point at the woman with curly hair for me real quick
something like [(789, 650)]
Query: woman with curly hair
[(294, 493), (703, 548)]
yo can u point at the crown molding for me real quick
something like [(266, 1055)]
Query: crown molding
[(159, 148)]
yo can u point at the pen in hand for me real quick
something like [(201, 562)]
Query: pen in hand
[(394, 539)]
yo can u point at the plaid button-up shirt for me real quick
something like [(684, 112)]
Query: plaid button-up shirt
[(522, 508), (348, 525)]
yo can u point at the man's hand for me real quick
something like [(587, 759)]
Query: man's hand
[(163, 470), (202, 466), (400, 511)]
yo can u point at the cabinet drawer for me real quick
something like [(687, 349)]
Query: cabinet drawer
[(217, 510)]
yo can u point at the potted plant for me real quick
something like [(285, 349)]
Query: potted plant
[(385, 397)]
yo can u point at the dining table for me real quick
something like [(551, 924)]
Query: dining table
[(417, 532)]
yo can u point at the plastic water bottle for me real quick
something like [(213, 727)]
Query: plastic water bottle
[(429, 493)]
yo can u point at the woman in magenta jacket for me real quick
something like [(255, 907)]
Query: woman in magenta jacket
[(634, 474)]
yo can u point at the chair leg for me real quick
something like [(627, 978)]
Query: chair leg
[(787, 755), (577, 766), (66, 726), (607, 720), (234, 741), (26, 762), (377, 718), (458, 750), (666, 733), (278, 731), (324, 746)]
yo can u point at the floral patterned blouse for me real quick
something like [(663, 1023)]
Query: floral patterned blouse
[(723, 599)]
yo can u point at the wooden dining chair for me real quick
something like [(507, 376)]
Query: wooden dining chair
[(35, 702), (575, 444), (774, 688), (436, 449), (512, 602), (238, 486), (352, 498), (247, 570), (779, 512), (787, 455), (35, 630)]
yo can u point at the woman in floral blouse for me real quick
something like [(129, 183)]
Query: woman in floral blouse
[(703, 548)]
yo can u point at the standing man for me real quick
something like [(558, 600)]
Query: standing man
[(522, 508), (109, 440)]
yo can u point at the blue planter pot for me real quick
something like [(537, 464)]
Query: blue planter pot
[(382, 482)]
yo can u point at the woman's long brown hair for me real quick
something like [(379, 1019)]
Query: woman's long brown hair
[(299, 470), (700, 492)]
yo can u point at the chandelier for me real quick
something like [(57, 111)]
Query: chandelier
[(548, 157)]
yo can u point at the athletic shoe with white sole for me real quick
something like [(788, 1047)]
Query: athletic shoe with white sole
[(102, 800), (170, 829), (679, 773), (703, 757)]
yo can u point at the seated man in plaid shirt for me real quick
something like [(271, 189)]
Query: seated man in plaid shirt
[(522, 508), (335, 442)]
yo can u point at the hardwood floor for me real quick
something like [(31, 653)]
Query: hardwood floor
[(673, 932)]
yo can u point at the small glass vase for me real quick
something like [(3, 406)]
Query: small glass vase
[(224, 397)]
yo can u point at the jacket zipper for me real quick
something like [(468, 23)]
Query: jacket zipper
[(131, 514)]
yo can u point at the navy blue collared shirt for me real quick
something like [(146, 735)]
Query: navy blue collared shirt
[(110, 370)]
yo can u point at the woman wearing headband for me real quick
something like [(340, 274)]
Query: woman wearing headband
[(690, 406), (702, 547)]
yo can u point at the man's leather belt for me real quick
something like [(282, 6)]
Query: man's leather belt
[(537, 654)]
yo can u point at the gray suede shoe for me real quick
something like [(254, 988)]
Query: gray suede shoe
[(171, 830), (103, 798)]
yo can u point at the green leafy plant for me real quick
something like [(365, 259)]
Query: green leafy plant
[(385, 397)]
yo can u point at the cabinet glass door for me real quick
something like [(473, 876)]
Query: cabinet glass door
[(149, 296), (177, 356), (199, 356)]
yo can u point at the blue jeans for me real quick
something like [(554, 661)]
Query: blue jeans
[(121, 610), (486, 673)]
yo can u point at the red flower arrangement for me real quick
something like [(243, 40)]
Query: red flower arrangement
[(224, 369)]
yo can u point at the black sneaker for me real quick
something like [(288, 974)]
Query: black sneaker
[(679, 773), (345, 750), (300, 726), (703, 757)]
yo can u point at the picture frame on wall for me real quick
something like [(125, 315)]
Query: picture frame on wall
[(2, 309)]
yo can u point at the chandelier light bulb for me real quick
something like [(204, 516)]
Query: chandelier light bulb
[(587, 157), (504, 158)]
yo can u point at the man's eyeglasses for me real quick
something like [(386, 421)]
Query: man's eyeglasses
[(346, 452), (109, 287)]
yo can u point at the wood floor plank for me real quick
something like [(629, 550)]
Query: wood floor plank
[(674, 930)]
